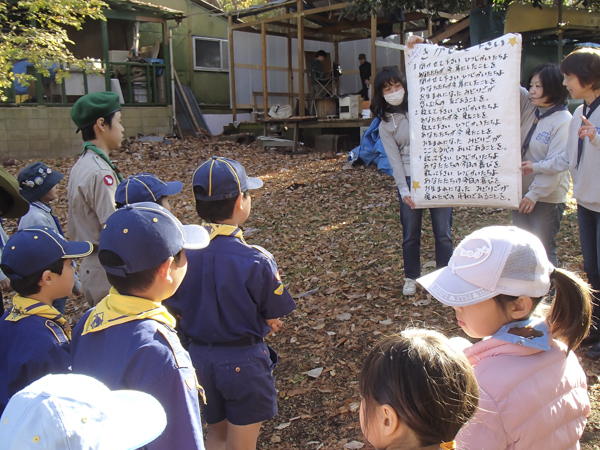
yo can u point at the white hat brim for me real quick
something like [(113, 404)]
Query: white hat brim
[(136, 419), (452, 290), (196, 237), (254, 183)]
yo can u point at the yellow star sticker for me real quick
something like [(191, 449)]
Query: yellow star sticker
[(512, 41), (416, 185)]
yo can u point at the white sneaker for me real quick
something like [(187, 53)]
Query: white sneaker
[(410, 287)]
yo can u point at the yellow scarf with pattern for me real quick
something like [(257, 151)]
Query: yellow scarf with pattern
[(115, 309), (219, 229), (25, 307)]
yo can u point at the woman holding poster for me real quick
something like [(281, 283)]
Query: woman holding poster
[(390, 104), (544, 131)]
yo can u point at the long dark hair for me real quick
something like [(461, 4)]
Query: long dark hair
[(551, 80), (431, 386), (386, 77)]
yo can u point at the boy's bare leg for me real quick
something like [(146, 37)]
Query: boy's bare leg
[(216, 438), (242, 437), (227, 436)]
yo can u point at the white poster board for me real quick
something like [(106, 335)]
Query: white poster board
[(464, 115)]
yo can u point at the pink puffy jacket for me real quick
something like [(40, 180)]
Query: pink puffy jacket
[(529, 398)]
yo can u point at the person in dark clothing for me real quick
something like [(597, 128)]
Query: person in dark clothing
[(317, 73), (364, 70)]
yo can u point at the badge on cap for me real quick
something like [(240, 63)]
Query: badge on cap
[(109, 180)]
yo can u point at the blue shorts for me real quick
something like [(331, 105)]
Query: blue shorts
[(238, 382)]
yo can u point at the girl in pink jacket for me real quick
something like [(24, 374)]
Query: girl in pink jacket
[(417, 392), (532, 390)]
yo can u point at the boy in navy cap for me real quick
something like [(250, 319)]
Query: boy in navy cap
[(127, 341), (37, 184), (93, 181), (145, 187), (230, 300), (34, 337)]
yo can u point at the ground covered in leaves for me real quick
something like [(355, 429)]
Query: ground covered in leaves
[(336, 236)]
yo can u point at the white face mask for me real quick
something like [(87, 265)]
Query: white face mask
[(395, 98)]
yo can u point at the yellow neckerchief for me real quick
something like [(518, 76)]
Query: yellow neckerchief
[(219, 229), (450, 445), (115, 309), (25, 307)]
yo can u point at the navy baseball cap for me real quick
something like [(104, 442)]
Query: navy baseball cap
[(35, 248), (221, 178), (145, 235), (36, 180), (145, 187)]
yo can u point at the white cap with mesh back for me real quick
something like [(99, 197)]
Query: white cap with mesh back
[(491, 261)]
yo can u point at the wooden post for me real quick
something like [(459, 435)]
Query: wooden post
[(373, 52), (560, 31), (402, 41), (289, 63), (232, 71), (429, 27), (263, 35), (300, 25), (104, 33)]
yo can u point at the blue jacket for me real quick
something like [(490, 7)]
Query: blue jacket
[(145, 355), (230, 289), (30, 349)]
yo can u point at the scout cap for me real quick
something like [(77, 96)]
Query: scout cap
[(145, 235), (92, 107), (14, 206), (36, 180), (491, 261), (221, 178), (145, 187), (35, 248), (78, 412)]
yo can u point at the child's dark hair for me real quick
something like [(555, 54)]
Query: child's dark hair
[(159, 201), (215, 211), (431, 386), (132, 282), (571, 313), (584, 63), (29, 285), (386, 77), (551, 80), (88, 133)]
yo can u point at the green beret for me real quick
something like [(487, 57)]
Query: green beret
[(92, 107)]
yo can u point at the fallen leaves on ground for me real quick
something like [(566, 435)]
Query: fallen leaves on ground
[(336, 236)]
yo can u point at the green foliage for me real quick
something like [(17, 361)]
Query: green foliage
[(363, 8), (35, 30)]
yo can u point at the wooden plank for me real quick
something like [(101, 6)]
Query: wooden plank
[(299, 13), (290, 73), (373, 54), (450, 31), (232, 71), (264, 67), (300, 23)]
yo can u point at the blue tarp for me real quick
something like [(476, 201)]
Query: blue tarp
[(371, 150)]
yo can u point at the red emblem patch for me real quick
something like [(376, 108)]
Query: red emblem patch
[(109, 180)]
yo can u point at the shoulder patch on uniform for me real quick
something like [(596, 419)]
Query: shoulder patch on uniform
[(263, 251), (108, 180), (57, 331), (279, 290)]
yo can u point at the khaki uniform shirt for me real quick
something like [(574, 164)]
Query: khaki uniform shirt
[(91, 190)]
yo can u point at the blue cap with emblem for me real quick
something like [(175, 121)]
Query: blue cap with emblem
[(145, 187), (144, 235), (35, 248), (221, 178), (36, 180)]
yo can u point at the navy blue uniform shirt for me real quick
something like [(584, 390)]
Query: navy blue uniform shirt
[(229, 290), (30, 349), (145, 355)]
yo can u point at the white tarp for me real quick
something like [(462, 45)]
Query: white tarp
[(464, 116)]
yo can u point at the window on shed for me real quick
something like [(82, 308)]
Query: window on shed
[(211, 54)]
